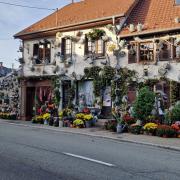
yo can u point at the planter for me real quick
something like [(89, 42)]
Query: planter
[(56, 121), (119, 128), (45, 122), (88, 124), (93, 122)]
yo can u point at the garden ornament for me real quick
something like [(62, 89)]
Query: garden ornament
[(131, 28), (139, 27)]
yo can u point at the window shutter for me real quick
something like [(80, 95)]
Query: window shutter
[(35, 49), (165, 52), (48, 52), (104, 48), (132, 54), (63, 47), (86, 46)]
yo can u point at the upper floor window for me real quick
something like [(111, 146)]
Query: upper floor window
[(96, 46), (42, 53), (165, 51), (176, 50), (66, 47), (146, 51), (132, 53)]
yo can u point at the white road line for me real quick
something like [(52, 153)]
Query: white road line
[(89, 159)]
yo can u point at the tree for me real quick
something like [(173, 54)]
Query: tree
[(144, 104)]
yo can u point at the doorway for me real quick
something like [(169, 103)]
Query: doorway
[(30, 94)]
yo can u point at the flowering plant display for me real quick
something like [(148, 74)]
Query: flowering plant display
[(176, 126), (128, 119), (46, 116), (166, 131), (65, 112), (88, 117), (38, 119), (78, 123), (135, 128), (150, 128), (80, 116)]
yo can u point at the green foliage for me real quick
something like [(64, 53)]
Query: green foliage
[(95, 34), (144, 104), (175, 113)]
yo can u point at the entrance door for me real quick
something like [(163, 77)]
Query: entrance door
[(30, 94), (66, 93)]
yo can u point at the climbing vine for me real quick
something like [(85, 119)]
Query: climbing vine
[(56, 92)]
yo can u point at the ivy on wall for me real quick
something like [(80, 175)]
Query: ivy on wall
[(56, 92), (107, 76)]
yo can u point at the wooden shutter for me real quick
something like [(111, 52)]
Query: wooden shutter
[(35, 49), (165, 52), (48, 52), (86, 46), (132, 57), (63, 44)]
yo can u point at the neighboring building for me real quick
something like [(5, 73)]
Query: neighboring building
[(153, 34), (9, 94), (61, 47), (57, 45), (4, 70)]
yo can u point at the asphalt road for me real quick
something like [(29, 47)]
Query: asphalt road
[(36, 154)]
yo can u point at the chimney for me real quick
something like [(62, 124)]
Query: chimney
[(1, 64)]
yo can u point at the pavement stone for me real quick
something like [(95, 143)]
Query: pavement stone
[(168, 143)]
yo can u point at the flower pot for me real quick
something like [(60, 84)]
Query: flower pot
[(88, 124), (56, 121), (119, 128), (45, 122)]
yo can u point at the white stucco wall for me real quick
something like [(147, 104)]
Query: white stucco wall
[(79, 64)]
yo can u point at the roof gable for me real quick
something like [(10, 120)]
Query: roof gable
[(155, 15), (80, 12)]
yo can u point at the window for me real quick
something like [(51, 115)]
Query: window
[(97, 47), (66, 47), (42, 53), (176, 50), (165, 51), (132, 53), (146, 51)]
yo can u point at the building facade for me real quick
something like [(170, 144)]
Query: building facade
[(94, 53)]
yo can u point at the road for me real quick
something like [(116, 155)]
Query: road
[(28, 153)]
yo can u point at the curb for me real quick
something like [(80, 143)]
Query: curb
[(174, 148)]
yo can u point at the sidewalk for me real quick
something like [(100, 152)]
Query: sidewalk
[(168, 143)]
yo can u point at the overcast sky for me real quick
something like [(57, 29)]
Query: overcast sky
[(14, 19)]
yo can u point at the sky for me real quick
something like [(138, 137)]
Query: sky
[(14, 19)]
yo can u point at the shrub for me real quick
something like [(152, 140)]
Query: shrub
[(175, 113), (144, 103), (165, 130)]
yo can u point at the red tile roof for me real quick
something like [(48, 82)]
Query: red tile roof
[(155, 15), (80, 12)]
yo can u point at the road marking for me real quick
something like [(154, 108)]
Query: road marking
[(89, 159)]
